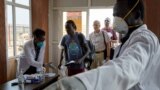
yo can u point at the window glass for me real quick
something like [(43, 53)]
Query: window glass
[(17, 26), (9, 0), (22, 28), (23, 2), (9, 31)]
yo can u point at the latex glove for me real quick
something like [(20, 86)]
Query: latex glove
[(42, 69)]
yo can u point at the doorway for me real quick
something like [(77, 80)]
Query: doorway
[(80, 19)]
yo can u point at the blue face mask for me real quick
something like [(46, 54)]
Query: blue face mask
[(39, 44)]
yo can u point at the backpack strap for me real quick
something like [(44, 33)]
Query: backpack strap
[(104, 39), (81, 41), (80, 38)]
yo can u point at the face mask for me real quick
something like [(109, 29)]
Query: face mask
[(39, 44), (120, 25)]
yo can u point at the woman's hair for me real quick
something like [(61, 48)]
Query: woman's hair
[(72, 23)]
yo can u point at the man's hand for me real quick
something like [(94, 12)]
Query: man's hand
[(41, 70), (44, 69)]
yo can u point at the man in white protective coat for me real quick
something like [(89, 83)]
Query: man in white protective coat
[(32, 58), (135, 65)]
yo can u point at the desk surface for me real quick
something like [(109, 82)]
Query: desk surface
[(39, 86)]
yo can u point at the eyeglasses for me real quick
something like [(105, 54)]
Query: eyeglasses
[(107, 21)]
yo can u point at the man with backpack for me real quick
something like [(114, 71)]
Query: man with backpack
[(72, 47), (100, 40)]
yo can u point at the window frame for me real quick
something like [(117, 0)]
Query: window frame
[(14, 5)]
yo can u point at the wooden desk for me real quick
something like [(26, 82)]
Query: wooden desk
[(39, 86)]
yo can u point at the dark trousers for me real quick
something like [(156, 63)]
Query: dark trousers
[(72, 71), (31, 70)]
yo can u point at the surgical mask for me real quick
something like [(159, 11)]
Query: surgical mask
[(39, 44), (120, 25)]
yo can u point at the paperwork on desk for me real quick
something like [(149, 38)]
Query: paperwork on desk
[(71, 62), (34, 76)]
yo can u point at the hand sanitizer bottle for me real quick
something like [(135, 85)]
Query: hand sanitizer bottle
[(42, 74), (21, 78)]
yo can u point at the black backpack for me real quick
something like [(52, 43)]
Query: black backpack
[(89, 59)]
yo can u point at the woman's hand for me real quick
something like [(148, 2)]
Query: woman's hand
[(79, 61)]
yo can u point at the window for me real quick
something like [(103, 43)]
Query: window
[(17, 25), (23, 2), (9, 0)]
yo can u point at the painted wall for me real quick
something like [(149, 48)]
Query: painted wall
[(40, 19), (152, 15), (82, 3)]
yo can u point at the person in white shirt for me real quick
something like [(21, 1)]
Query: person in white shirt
[(32, 58), (100, 40), (135, 65)]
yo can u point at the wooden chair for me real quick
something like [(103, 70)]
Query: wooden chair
[(12, 66)]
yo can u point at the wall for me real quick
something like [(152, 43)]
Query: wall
[(40, 19), (83, 3), (70, 3), (152, 18), (3, 67), (102, 2)]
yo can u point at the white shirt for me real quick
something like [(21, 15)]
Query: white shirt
[(27, 58), (98, 40), (136, 68), (109, 34)]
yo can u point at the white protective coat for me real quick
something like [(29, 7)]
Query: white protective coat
[(136, 68), (27, 58)]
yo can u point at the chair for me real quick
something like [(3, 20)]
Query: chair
[(12, 68)]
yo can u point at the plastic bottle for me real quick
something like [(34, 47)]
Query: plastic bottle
[(21, 78), (42, 74)]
